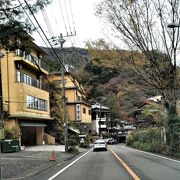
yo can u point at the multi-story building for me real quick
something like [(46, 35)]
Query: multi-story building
[(78, 109), (100, 117), (25, 101)]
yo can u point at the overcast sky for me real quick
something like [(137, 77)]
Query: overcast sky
[(60, 17)]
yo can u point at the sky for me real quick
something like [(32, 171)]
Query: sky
[(73, 16)]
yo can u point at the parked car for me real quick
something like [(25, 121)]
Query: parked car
[(111, 141), (100, 144)]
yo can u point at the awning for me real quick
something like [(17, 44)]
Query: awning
[(24, 124), (74, 129), (30, 116)]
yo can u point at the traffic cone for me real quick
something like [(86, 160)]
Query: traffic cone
[(52, 156)]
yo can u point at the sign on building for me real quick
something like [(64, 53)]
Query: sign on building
[(78, 112)]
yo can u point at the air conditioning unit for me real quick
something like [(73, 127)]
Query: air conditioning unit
[(19, 66), (39, 56), (39, 76)]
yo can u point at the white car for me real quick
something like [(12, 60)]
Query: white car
[(100, 144)]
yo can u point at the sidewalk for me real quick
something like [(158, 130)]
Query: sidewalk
[(32, 160)]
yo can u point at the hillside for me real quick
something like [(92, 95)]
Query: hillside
[(120, 89), (77, 57), (115, 86)]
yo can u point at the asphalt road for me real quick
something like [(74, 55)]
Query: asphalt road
[(101, 165), (148, 166), (104, 165)]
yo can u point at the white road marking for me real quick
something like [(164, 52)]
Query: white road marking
[(69, 165), (153, 154)]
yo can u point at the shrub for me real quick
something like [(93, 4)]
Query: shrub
[(71, 142), (12, 133), (147, 140), (71, 146), (145, 147), (135, 144)]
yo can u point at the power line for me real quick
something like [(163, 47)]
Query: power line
[(32, 23), (68, 20), (67, 16), (57, 57), (55, 20), (59, 60), (63, 16), (44, 42), (48, 25)]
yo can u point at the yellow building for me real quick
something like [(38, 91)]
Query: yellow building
[(78, 109), (25, 101)]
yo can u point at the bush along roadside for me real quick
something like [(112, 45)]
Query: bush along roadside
[(71, 146), (147, 140)]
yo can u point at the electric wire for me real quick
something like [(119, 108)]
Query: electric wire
[(63, 17), (59, 60), (55, 20), (68, 20), (46, 19), (44, 42), (32, 23), (72, 17), (57, 57), (41, 38)]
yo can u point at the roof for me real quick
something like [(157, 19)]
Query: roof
[(30, 116), (155, 98), (74, 129), (34, 124), (99, 106)]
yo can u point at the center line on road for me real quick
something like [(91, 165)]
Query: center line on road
[(69, 165), (125, 165)]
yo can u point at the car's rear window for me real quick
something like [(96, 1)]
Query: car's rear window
[(99, 142)]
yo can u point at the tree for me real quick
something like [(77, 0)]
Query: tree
[(156, 111), (14, 23), (109, 76), (143, 26), (55, 128)]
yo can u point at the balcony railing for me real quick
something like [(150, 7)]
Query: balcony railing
[(82, 99), (32, 59), (24, 78)]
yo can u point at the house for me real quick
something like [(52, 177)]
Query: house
[(25, 100), (149, 113), (100, 116), (78, 108)]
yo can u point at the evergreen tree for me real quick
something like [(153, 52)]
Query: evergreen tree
[(14, 23)]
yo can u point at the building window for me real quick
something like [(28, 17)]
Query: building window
[(36, 103), (89, 112), (24, 78), (84, 110)]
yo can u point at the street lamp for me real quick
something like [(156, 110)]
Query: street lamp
[(173, 53), (173, 25)]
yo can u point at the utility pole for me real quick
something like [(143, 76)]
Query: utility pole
[(61, 40), (2, 120), (100, 120)]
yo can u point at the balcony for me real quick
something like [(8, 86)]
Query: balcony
[(102, 126), (32, 59), (24, 78), (82, 99)]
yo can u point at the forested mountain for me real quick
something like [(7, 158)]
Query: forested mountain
[(107, 80), (76, 57)]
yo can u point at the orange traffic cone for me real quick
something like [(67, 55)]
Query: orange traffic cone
[(52, 156)]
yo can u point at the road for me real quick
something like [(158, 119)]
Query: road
[(118, 163)]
